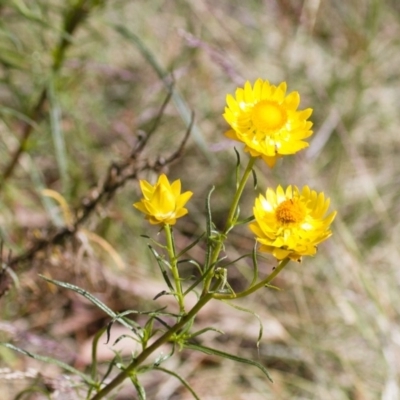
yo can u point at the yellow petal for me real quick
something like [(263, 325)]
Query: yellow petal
[(253, 115), (291, 222)]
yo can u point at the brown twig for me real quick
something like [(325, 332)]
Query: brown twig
[(117, 176), (142, 143)]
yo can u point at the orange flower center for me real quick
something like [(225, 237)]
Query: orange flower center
[(290, 211), (268, 115)]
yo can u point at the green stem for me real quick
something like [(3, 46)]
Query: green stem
[(230, 223), (149, 350), (173, 262), (252, 289)]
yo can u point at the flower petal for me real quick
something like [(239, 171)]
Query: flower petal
[(291, 222), (163, 202), (267, 121)]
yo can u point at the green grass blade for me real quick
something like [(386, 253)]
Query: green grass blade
[(58, 136)]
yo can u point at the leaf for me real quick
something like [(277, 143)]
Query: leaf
[(209, 227), (161, 262), (200, 332), (246, 310), (91, 298), (245, 221), (58, 136), (182, 380), (50, 360), (237, 169), (124, 337), (139, 388), (215, 352), (191, 245), (254, 179), (255, 265)]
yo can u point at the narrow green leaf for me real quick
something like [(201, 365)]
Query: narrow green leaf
[(237, 169), (154, 241), (195, 283), (90, 297), (95, 343), (215, 352), (235, 260), (161, 262), (237, 157), (209, 228), (161, 358), (255, 265), (191, 245), (124, 337), (58, 136), (209, 213), (157, 362), (196, 264), (245, 221), (182, 380), (269, 286), (200, 332), (246, 310), (139, 388), (254, 179), (50, 360), (110, 367)]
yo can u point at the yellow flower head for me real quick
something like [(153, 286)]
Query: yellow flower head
[(267, 121), (163, 203), (291, 223)]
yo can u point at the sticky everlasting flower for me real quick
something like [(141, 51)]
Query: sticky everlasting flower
[(163, 203), (266, 120), (291, 223)]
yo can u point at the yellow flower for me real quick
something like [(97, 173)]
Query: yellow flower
[(267, 121), (291, 223), (163, 203)]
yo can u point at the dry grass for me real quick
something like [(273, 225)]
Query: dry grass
[(333, 331)]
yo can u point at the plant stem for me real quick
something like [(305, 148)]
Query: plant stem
[(230, 223), (252, 289), (173, 262), (149, 350)]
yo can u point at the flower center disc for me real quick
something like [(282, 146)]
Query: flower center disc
[(268, 115), (290, 211)]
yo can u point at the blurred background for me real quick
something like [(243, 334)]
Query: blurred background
[(81, 82)]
